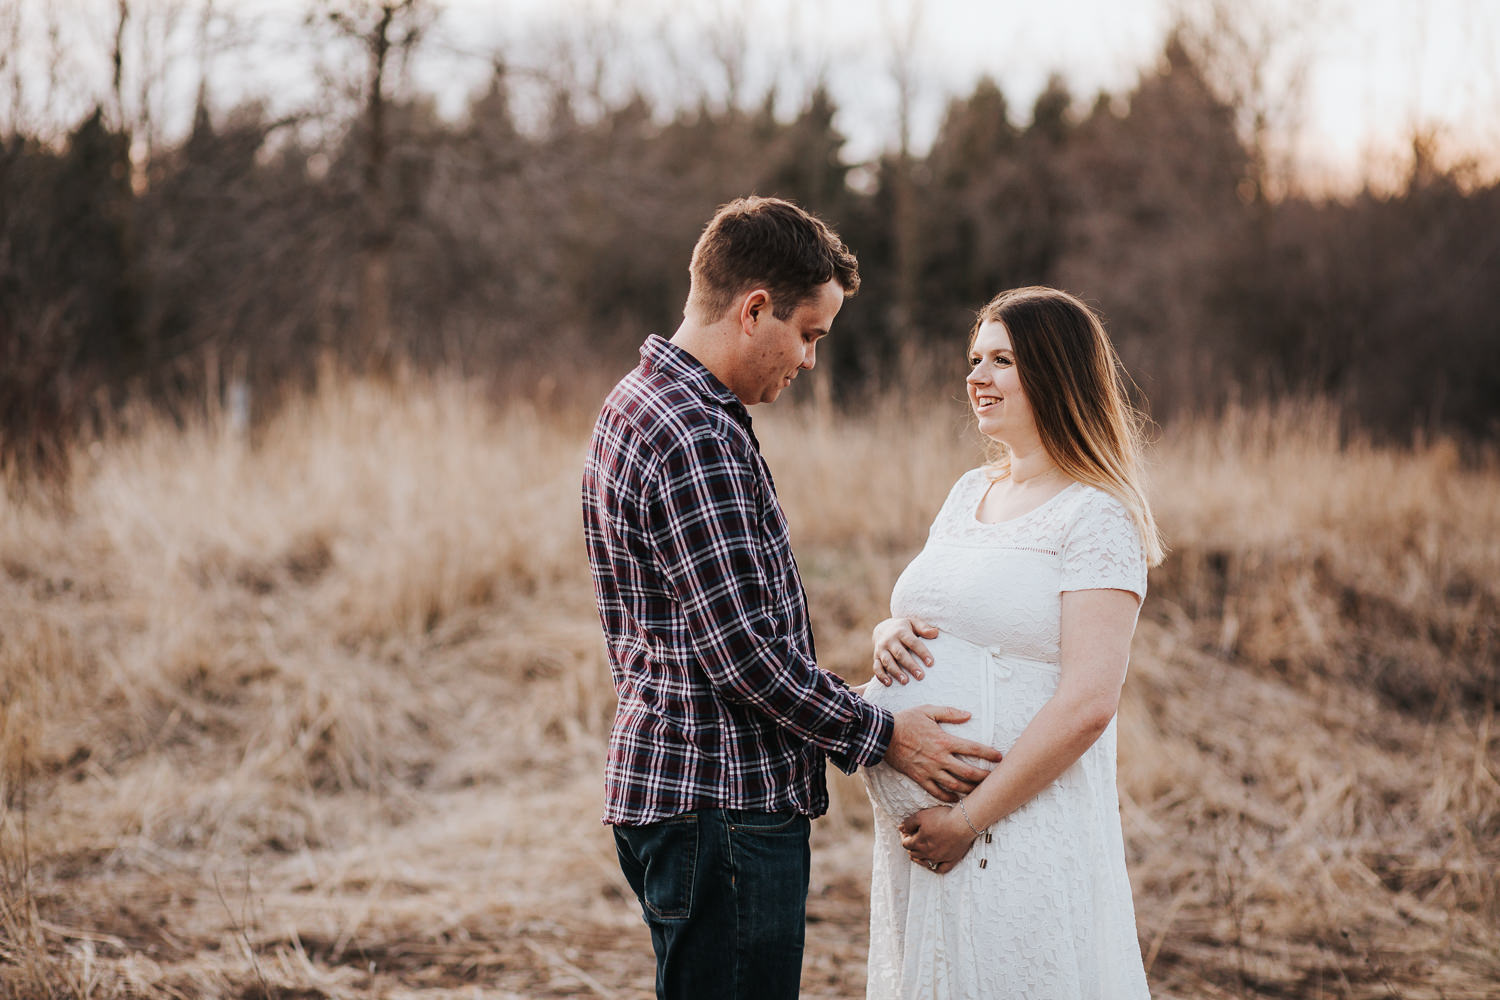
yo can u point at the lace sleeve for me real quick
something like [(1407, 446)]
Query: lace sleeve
[(1102, 548)]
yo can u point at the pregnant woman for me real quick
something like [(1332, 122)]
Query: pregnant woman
[(1026, 595)]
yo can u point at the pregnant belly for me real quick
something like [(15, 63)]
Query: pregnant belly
[(961, 676)]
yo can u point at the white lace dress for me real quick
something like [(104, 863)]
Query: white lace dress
[(1040, 909)]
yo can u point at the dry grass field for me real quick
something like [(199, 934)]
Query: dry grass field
[(321, 713)]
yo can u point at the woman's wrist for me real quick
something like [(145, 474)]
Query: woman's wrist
[(964, 812)]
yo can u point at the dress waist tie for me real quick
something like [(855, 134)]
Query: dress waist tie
[(1000, 669)]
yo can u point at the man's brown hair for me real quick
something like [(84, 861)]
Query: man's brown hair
[(766, 243)]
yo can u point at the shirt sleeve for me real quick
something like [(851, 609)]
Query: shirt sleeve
[(704, 522), (1103, 548)]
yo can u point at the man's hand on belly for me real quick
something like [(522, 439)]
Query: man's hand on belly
[(929, 755)]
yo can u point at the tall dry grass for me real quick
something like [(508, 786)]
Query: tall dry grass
[(321, 713)]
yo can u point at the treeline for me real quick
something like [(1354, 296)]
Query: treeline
[(248, 254)]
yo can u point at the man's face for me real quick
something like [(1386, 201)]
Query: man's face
[(778, 349)]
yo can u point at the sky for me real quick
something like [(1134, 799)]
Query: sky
[(1363, 73)]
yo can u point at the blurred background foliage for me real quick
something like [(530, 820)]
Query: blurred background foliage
[(535, 245)]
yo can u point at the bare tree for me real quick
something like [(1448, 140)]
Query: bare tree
[(1258, 58), (117, 61), (386, 32), (12, 74), (904, 32), (149, 42)]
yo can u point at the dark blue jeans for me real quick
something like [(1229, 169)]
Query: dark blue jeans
[(725, 895)]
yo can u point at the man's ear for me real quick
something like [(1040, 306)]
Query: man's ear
[(755, 306)]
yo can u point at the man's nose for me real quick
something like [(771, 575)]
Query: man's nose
[(810, 356)]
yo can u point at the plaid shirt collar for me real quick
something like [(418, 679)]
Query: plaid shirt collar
[(661, 355)]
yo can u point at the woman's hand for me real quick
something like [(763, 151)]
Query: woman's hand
[(937, 836), (899, 649)]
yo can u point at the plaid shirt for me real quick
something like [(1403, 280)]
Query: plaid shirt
[(721, 701)]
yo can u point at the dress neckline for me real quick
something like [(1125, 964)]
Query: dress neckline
[(974, 505)]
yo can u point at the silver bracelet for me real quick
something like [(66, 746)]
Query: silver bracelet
[(967, 820)]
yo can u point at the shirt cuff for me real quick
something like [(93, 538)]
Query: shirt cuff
[(870, 739)]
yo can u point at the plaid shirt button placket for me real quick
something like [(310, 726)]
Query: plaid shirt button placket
[(721, 700)]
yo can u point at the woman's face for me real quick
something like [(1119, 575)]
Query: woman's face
[(995, 392)]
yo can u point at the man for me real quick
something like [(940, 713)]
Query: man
[(717, 752)]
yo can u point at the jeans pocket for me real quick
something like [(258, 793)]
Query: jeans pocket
[(666, 859), (750, 821)]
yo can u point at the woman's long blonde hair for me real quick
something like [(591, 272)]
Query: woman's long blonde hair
[(1076, 386)]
